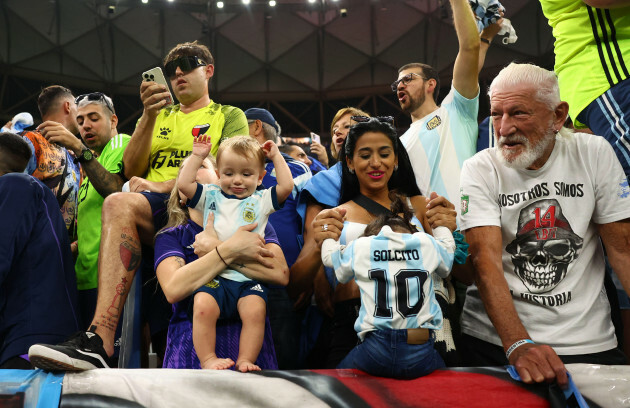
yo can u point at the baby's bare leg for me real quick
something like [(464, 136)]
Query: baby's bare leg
[(205, 315), (252, 309)]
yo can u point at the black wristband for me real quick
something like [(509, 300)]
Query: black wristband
[(217, 249), (485, 40)]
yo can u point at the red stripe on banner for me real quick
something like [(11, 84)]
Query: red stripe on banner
[(440, 389)]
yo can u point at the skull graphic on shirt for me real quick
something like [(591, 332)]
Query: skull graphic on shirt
[(544, 246)]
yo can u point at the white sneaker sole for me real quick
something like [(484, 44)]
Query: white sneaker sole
[(53, 360)]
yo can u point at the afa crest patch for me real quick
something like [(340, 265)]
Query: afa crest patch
[(212, 284), (464, 204), (249, 215), (434, 122)]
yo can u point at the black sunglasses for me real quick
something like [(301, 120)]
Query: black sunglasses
[(382, 119), (95, 96), (186, 63)]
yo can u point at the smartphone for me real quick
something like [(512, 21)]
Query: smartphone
[(156, 75), (315, 138)]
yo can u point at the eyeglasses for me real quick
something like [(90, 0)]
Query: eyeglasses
[(95, 96), (405, 80), (186, 63), (364, 119)]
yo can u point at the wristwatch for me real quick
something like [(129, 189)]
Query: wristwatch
[(85, 156)]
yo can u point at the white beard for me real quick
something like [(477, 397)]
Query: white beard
[(530, 152)]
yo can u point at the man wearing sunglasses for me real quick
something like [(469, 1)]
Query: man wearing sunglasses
[(162, 139), (442, 137)]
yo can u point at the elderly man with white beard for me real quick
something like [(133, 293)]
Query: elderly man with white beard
[(534, 209)]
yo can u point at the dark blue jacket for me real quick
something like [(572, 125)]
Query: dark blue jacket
[(38, 290)]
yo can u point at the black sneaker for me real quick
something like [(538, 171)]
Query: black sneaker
[(82, 351)]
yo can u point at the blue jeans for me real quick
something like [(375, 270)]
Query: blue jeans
[(385, 353)]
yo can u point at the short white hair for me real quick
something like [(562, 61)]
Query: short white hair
[(87, 101), (544, 81)]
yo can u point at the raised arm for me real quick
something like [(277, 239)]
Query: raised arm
[(465, 70), (136, 157), (486, 36), (534, 362), (186, 181), (283, 173)]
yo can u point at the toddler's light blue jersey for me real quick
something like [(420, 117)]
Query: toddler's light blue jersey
[(231, 212), (393, 272)]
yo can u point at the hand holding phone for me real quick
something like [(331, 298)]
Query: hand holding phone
[(156, 75)]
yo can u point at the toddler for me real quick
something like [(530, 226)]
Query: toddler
[(235, 202)]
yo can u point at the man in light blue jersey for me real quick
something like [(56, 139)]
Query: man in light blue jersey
[(442, 137)]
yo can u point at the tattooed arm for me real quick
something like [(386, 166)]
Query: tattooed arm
[(103, 181)]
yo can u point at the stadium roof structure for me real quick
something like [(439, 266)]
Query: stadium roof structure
[(296, 52)]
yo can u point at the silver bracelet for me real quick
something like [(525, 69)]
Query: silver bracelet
[(516, 345)]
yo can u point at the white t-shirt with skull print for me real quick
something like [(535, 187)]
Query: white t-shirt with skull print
[(552, 257)]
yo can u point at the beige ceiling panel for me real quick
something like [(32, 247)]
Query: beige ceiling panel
[(285, 31), (232, 64), (247, 30), (130, 58), (313, 17), (180, 27), (354, 29), (356, 79), (93, 50), (393, 22), (78, 18), (143, 25), (384, 74), (49, 62), (279, 82), (340, 60), (256, 82), (25, 43), (301, 63), (411, 47), (77, 68), (41, 19)]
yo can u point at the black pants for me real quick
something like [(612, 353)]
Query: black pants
[(17, 363)]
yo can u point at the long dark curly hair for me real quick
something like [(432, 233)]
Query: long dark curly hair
[(402, 180)]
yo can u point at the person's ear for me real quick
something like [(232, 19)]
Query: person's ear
[(261, 176), (209, 71), (560, 116), (350, 165), (114, 120), (431, 84), (66, 107)]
